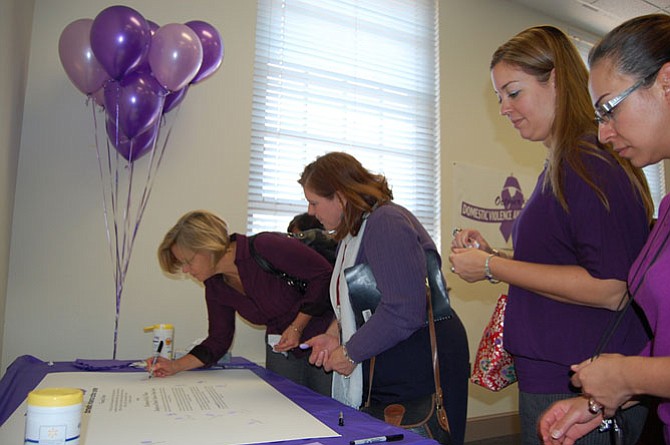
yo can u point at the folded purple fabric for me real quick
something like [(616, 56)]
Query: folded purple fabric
[(101, 365)]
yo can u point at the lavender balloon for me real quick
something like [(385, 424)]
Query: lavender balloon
[(135, 102), (175, 55), (120, 38), (81, 66), (212, 49)]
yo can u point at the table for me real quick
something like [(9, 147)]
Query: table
[(27, 371)]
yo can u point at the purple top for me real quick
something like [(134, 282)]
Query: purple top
[(649, 281), (393, 245), (547, 336), (269, 300)]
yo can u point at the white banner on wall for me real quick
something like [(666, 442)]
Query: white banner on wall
[(489, 200)]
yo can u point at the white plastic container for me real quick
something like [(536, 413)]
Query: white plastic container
[(165, 333), (54, 416)]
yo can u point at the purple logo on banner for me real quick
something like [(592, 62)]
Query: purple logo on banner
[(511, 199)]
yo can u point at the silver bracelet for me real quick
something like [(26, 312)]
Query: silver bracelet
[(346, 355), (487, 270)]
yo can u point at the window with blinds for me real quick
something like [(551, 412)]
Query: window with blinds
[(359, 76), (655, 173)]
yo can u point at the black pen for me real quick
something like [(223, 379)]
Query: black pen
[(391, 438), (153, 362)]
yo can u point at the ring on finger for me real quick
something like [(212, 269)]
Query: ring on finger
[(594, 407), (455, 231)]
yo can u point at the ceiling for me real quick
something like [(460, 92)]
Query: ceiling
[(596, 16)]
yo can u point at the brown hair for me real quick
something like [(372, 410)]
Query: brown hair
[(637, 47), (198, 230), (538, 51), (338, 175)]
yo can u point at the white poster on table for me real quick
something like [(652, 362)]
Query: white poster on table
[(489, 200), (206, 408)]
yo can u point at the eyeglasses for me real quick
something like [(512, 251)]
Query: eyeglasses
[(187, 262), (604, 111)]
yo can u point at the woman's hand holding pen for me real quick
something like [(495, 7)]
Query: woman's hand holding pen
[(321, 346), (165, 367), (162, 367)]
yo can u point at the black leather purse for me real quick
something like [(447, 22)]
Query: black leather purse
[(365, 296), (425, 413)]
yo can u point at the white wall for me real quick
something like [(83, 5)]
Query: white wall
[(60, 296), (15, 26)]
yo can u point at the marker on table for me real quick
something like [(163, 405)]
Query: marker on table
[(391, 438), (153, 362), (340, 420)]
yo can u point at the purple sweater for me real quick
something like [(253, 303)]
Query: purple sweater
[(546, 336), (649, 281), (393, 245), (269, 300)]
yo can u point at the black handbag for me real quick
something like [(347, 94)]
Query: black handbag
[(365, 296), (425, 413)]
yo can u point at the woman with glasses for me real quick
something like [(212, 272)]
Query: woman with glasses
[(576, 236), (630, 87), (235, 283)]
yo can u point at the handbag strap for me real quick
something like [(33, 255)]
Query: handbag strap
[(436, 364), (439, 408), (618, 317)]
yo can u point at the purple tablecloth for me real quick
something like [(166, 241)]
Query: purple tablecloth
[(26, 372)]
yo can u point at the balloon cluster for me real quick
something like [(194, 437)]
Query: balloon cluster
[(133, 72), (137, 70)]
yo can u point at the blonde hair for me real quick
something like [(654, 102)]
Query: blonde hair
[(538, 51), (198, 230)]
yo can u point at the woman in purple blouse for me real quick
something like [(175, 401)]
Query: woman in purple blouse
[(630, 87), (576, 237), (199, 245), (357, 206)]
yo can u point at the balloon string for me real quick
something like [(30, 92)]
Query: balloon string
[(152, 168), (106, 212), (122, 231), (151, 172)]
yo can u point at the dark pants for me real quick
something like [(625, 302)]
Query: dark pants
[(405, 372), (299, 371), (531, 407)]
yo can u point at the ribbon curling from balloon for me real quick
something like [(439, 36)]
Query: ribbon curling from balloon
[(134, 74)]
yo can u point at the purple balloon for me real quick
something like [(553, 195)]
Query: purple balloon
[(135, 148), (175, 55), (81, 66), (173, 99), (212, 49), (144, 63), (120, 38), (135, 102)]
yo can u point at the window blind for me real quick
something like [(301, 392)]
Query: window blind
[(359, 76), (655, 174)]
